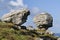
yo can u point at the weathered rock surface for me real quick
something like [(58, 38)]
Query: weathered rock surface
[(44, 20), (38, 39), (16, 17), (30, 28)]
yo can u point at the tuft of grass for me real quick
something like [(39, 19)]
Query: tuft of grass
[(6, 25), (11, 34)]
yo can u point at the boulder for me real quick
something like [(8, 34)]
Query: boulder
[(43, 20), (17, 17)]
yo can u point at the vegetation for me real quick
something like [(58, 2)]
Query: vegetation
[(8, 33), (6, 25)]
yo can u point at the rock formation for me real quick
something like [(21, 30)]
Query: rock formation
[(17, 17), (43, 20)]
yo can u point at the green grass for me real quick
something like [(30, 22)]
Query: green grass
[(3, 25), (10, 34), (7, 33)]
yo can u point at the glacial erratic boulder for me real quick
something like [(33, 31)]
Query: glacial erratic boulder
[(17, 17), (44, 20)]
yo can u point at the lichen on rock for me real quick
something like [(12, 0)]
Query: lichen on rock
[(43, 20), (16, 17)]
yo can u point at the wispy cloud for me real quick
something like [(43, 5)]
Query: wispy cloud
[(17, 3), (35, 10)]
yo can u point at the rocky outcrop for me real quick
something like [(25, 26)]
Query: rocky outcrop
[(43, 20), (17, 17)]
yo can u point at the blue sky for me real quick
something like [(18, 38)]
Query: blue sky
[(36, 7)]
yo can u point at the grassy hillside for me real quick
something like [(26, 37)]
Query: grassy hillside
[(8, 33)]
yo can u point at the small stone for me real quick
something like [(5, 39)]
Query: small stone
[(30, 28), (38, 38), (49, 32)]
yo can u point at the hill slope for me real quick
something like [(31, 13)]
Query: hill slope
[(8, 33)]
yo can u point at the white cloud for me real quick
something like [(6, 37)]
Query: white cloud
[(35, 10), (17, 3)]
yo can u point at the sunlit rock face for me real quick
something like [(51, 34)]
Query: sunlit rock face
[(44, 20), (16, 17)]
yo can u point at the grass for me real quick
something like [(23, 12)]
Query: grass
[(10, 34), (3, 24), (7, 33)]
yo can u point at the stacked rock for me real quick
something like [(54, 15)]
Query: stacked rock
[(43, 20)]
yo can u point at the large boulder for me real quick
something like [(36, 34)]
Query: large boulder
[(44, 20), (17, 17)]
